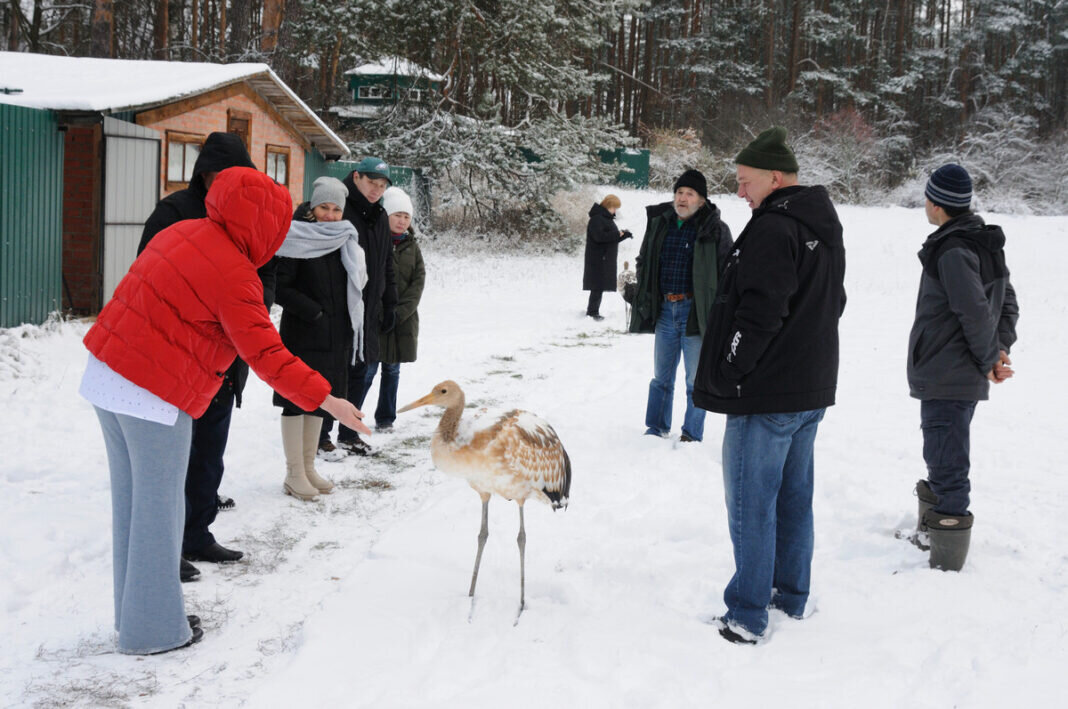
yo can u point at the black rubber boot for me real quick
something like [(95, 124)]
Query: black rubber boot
[(950, 536), (926, 501)]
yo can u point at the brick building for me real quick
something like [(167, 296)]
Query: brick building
[(131, 133)]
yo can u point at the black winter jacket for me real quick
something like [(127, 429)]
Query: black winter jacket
[(220, 151), (772, 339), (602, 248), (380, 293), (966, 311), (315, 322)]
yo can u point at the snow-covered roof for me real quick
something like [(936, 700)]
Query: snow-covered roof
[(394, 65), (116, 85), (356, 111)]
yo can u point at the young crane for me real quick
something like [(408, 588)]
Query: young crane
[(516, 455)]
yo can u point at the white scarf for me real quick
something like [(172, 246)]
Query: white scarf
[(314, 239)]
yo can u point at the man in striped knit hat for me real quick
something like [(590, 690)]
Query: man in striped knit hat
[(965, 323)]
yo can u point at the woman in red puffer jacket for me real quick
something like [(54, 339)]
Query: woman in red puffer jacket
[(158, 351)]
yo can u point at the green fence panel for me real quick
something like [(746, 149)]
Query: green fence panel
[(31, 215), (634, 158)]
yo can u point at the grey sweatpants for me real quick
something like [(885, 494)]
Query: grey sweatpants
[(148, 463)]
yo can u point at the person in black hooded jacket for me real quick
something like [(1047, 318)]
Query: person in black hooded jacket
[(770, 362), (965, 323), (211, 430)]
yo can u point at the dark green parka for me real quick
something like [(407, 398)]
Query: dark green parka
[(400, 344), (711, 248)]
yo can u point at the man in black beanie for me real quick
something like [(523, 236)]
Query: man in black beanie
[(965, 324), (770, 362), (678, 267)]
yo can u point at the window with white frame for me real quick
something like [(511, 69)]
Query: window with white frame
[(182, 152), (278, 163), (376, 91)]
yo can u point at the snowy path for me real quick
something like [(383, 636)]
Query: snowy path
[(361, 600)]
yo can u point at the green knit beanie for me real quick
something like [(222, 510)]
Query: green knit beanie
[(769, 152)]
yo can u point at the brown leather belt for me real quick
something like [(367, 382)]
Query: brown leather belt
[(676, 297)]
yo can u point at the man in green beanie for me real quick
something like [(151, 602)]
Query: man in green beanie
[(770, 362)]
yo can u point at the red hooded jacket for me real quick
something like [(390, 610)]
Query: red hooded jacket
[(192, 301)]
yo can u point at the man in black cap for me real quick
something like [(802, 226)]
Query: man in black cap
[(366, 185), (678, 267), (770, 362), (211, 430), (965, 324)]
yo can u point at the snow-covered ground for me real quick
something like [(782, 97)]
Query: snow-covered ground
[(360, 600)]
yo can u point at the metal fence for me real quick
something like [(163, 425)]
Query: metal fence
[(31, 215)]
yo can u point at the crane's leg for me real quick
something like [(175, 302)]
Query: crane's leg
[(482, 536), (522, 541)]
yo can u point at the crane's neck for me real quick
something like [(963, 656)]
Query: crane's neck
[(450, 421)]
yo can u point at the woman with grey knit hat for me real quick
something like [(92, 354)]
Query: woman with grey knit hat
[(321, 275)]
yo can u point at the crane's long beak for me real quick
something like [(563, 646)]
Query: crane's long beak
[(417, 403)]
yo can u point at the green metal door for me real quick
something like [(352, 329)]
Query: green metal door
[(31, 215)]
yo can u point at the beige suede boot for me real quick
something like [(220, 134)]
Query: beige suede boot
[(312, 426), (296, 483)]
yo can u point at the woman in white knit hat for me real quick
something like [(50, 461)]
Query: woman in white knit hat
[(321, 275), (400, 343)]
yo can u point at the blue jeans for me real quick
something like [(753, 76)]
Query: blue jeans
[(672, 342), (386, 411), (768, 472), (147, 462), (946, 429)]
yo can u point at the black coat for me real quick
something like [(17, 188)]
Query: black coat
[(380, 293), (602, 247), (315, 319), (220, 151), (771, 345)]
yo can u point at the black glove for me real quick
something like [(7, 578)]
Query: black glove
[(626, 235), (389, 320)]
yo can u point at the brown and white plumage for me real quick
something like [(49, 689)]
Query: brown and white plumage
[(514, 454)]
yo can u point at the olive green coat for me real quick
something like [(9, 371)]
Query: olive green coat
[(711, 249), (400, 344)]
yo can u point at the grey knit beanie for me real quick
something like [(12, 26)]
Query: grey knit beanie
[(328, 189)]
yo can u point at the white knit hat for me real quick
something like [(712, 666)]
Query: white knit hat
[(397, 200), (328, 189)]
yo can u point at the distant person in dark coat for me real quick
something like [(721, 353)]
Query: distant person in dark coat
[(769, 361), (400, 343), (966, 314), (366, 185), (321, 275), (212, 428), (602, 246)]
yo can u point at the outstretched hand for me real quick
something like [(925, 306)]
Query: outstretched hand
[(1002, 369), (345, 413)]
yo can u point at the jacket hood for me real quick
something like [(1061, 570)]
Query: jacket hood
[(220, 151), (972, 228), (809, 205), (254, 210), (600, 210)]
